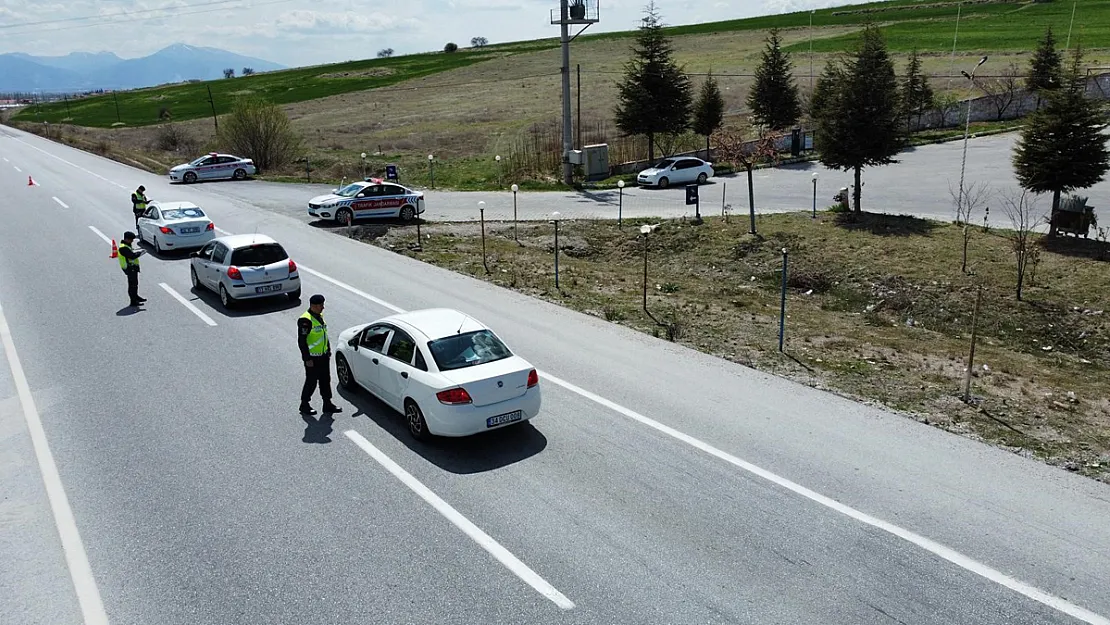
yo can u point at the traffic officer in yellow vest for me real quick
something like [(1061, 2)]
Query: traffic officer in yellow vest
[(129, 263), (138, 203), (312, 338)]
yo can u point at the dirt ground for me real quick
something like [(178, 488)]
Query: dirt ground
[(877, 310)]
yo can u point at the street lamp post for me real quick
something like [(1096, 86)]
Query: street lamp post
[(620, 202), (482, 218), (432, 170), (515, 188), (815, 195), (498, 159), (645, 230), (782, 306), (555, 218), (967, 129), (364, 165)]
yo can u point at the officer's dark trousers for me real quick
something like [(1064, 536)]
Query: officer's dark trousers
[(133, 286), (318, 373), (137, 215)]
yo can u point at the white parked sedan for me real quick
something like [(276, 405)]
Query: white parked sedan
[(676, 170), (245, 266), (175, 226), (449, 374), (214, 166)]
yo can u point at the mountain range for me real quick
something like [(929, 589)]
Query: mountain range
[(83, 71)]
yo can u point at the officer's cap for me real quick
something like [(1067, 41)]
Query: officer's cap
[(127, 236), (316, 299)]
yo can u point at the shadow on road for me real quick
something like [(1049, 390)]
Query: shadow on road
[(317, 430), (247, 307), (472, 454), (127, 311), (886, 225)]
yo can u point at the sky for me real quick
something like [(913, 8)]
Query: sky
[(301, 32)]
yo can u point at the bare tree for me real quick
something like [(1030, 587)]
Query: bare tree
[(1002, 91), (945, 105), (385, 53), (229, 72), (973, 198), (732, 148), (478, 42), (1020, 207), (247, 71)]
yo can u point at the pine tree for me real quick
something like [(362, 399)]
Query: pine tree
[(655, 95), (774, 97), (709, 110), (917, 95), (1045, 68), (856, 111), (1062, 147)]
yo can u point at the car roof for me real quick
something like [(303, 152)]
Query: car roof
[(436, 323), (235, 241), (173, 205)]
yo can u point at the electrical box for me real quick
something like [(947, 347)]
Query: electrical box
[(574, 157), (597, 161)]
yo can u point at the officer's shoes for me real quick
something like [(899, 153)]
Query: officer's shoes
[(140, 299), (332, 408), (306, 409)]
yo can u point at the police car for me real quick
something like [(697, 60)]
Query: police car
[(370, 198), (214, 166)]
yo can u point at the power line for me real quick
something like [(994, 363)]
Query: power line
[(114, 18)]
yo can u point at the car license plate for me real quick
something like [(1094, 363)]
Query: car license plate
[(267, 288), (190, 230), (500, 419)]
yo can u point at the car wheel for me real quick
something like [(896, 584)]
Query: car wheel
[(295, 295), (407, 213), (239, 174), (343, 372), (702, 177), (193, 275), (663, 183), (190, 177), (414, 417), (157, 248), (225, 299), (343, 214)]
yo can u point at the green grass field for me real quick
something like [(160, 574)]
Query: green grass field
[(985, 26)]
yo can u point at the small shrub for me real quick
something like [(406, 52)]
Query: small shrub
[(450, 47), (173, 138), (261, 131)]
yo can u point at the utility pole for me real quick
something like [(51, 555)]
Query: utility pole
[(213, 103), (564, 27), (585, 14)]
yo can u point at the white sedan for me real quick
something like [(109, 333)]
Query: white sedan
[(448, 373), (676, 170), (175, 225), (213, 166)]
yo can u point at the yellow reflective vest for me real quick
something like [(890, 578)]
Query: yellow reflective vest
[(124, 263), (318, 337)]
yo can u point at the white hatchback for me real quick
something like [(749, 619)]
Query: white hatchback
[(175, 225), (677, 170), (448, 373), (245, 266)]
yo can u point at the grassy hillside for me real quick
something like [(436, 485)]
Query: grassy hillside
[(986, 25)]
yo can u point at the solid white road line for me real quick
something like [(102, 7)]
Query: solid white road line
[(6, 160), (223, 232), (63, 204), (965, 562), (87, 594), (495, 549), (100, 234), (18, 169), (187, 304), (69, 163)]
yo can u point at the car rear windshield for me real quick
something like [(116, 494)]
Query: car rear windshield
[(182, 213), (258, 255), (466, 350)]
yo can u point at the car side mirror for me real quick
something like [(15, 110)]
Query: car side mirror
[(194, 254), (334, 191), (353, 343)]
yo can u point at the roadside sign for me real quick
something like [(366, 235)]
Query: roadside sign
[(391, 172), (691, 194)]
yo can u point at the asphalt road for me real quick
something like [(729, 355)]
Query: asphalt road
[(918, 185), (658, 486)]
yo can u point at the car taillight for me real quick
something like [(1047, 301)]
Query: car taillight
[(210, 226), (533, 378), (165, 230), (233, 273), (292, 266), (453, 396)]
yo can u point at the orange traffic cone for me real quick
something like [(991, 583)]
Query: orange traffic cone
[(115, 250), (30, 182)]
